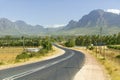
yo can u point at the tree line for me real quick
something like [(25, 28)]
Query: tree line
[(44, 43), (82, 40), (87, 40)]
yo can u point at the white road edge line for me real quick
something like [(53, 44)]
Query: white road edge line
[(37, 69)]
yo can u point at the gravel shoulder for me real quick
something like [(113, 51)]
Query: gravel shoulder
[(92, 70)]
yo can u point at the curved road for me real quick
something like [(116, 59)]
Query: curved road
[(60, 68)]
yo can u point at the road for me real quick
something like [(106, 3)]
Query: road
[(63, 67)]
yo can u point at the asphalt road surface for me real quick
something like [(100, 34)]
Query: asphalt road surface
[(63, 67)]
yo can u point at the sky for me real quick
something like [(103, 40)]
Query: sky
[(52, 13)]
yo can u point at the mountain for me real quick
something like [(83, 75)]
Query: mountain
[(29, 29), (98, 18), (91, 23), (70, 25), (87, 25), (8, 27)]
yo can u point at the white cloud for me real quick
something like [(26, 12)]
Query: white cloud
[(115, 11), (54, 25)]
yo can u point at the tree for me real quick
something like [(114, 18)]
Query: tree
[(118, 38), (8, 37), (46, 44), (23, 42), (70, 43)]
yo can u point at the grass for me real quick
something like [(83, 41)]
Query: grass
[(1, 63), (8, 54), (112, 68), (109, 60), (117, 47)]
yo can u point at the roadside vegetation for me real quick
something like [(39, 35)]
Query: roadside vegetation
[(13, 50), (114, 47), (8, 54), (45, 45), (106, 48), (70, 43), (110, 58)]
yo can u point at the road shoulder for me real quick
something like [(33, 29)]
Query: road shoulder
[(92, 70)]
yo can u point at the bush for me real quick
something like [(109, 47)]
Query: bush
[(114, 47), (1, 63), (42, 51), (46, 44), (118, 56), (24, 55), (90, 47), (70, 43)]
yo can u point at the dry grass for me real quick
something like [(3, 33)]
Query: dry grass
[(53, 53), (11, 58), (110, 63), (8, 54)]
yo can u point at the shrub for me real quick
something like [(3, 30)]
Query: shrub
[(90, 47), (114, 47), (23, 55), (42, 51), (118, 56), (46, 44), (70, 43), (1, 63)]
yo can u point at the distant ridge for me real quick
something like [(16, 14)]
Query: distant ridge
[(91, 23), (97, 18), (18, 28), (87, 25)]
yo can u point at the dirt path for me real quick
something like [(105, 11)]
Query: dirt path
[(91, 70)]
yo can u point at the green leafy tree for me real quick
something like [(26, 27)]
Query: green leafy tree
[(46, 44), (70, 43)]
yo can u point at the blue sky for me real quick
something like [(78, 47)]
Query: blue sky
[(52, 12)]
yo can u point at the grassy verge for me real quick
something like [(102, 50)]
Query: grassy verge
[(107, 57), (11, 60), (117, 47), (8, 54)]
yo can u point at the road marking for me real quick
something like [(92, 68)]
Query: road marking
[(37, 69)]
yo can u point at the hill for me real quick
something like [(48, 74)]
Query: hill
[(87, 25), (92, 22), (8, 27)]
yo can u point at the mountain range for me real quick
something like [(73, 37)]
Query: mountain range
[(88, 24)]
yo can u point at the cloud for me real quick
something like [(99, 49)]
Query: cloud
[(55, 25), (115, 11)]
